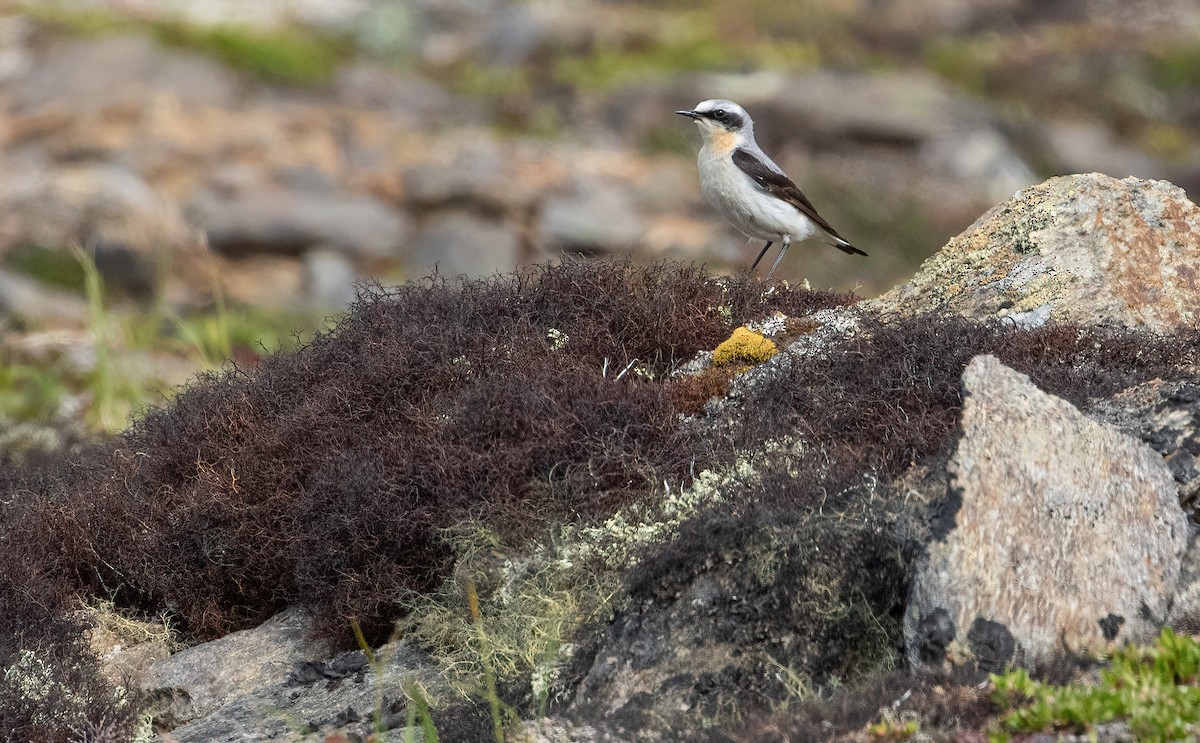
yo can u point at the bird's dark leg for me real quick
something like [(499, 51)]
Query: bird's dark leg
[(760, 257), (787, 241)]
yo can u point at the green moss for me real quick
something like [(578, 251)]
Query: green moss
[(1155, 690)]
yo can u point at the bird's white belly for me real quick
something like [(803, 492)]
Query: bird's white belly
[(748, 207)]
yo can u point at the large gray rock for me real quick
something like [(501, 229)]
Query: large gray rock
[(1088, 249), (1067, 533), (476, 170)]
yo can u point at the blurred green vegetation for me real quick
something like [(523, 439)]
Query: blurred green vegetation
[(687, 42), (102, 386), (964, 62), (294, 55), (291, 55), (52, 266), (1175, 66)]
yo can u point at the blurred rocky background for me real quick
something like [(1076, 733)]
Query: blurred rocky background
[(185, 181)]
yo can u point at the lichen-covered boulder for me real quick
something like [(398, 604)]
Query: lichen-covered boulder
[(1088, 249), (1068, 533)]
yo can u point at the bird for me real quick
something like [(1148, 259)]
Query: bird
[(749, 189)]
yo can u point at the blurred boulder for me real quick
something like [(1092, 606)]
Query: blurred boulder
[(1068, 534), (84, 204), (594, 216), (1084, 248), (31, 302), (411, 99), (84, 76), (289, 222), (475, 170), (127, 226), (463, 243)]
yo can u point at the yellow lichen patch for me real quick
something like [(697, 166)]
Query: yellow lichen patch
[(744, 346)]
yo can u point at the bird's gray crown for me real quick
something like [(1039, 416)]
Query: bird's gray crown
[(725, 113)]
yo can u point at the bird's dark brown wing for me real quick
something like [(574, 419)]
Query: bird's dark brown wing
[(779, 185)]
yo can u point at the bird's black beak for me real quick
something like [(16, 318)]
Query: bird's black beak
[(689, 114)]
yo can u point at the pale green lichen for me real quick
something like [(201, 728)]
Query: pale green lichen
[(532, 604)]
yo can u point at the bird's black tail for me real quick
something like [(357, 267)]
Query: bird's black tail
[(844, 246)]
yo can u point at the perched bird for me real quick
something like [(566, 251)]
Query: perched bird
[(750, 190)]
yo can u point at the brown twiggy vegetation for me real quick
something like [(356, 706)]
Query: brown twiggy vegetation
[(328, 475), (324, 476)]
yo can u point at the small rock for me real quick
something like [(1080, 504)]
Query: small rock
[(461, 243), (1087, 249), (1067, 533)]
